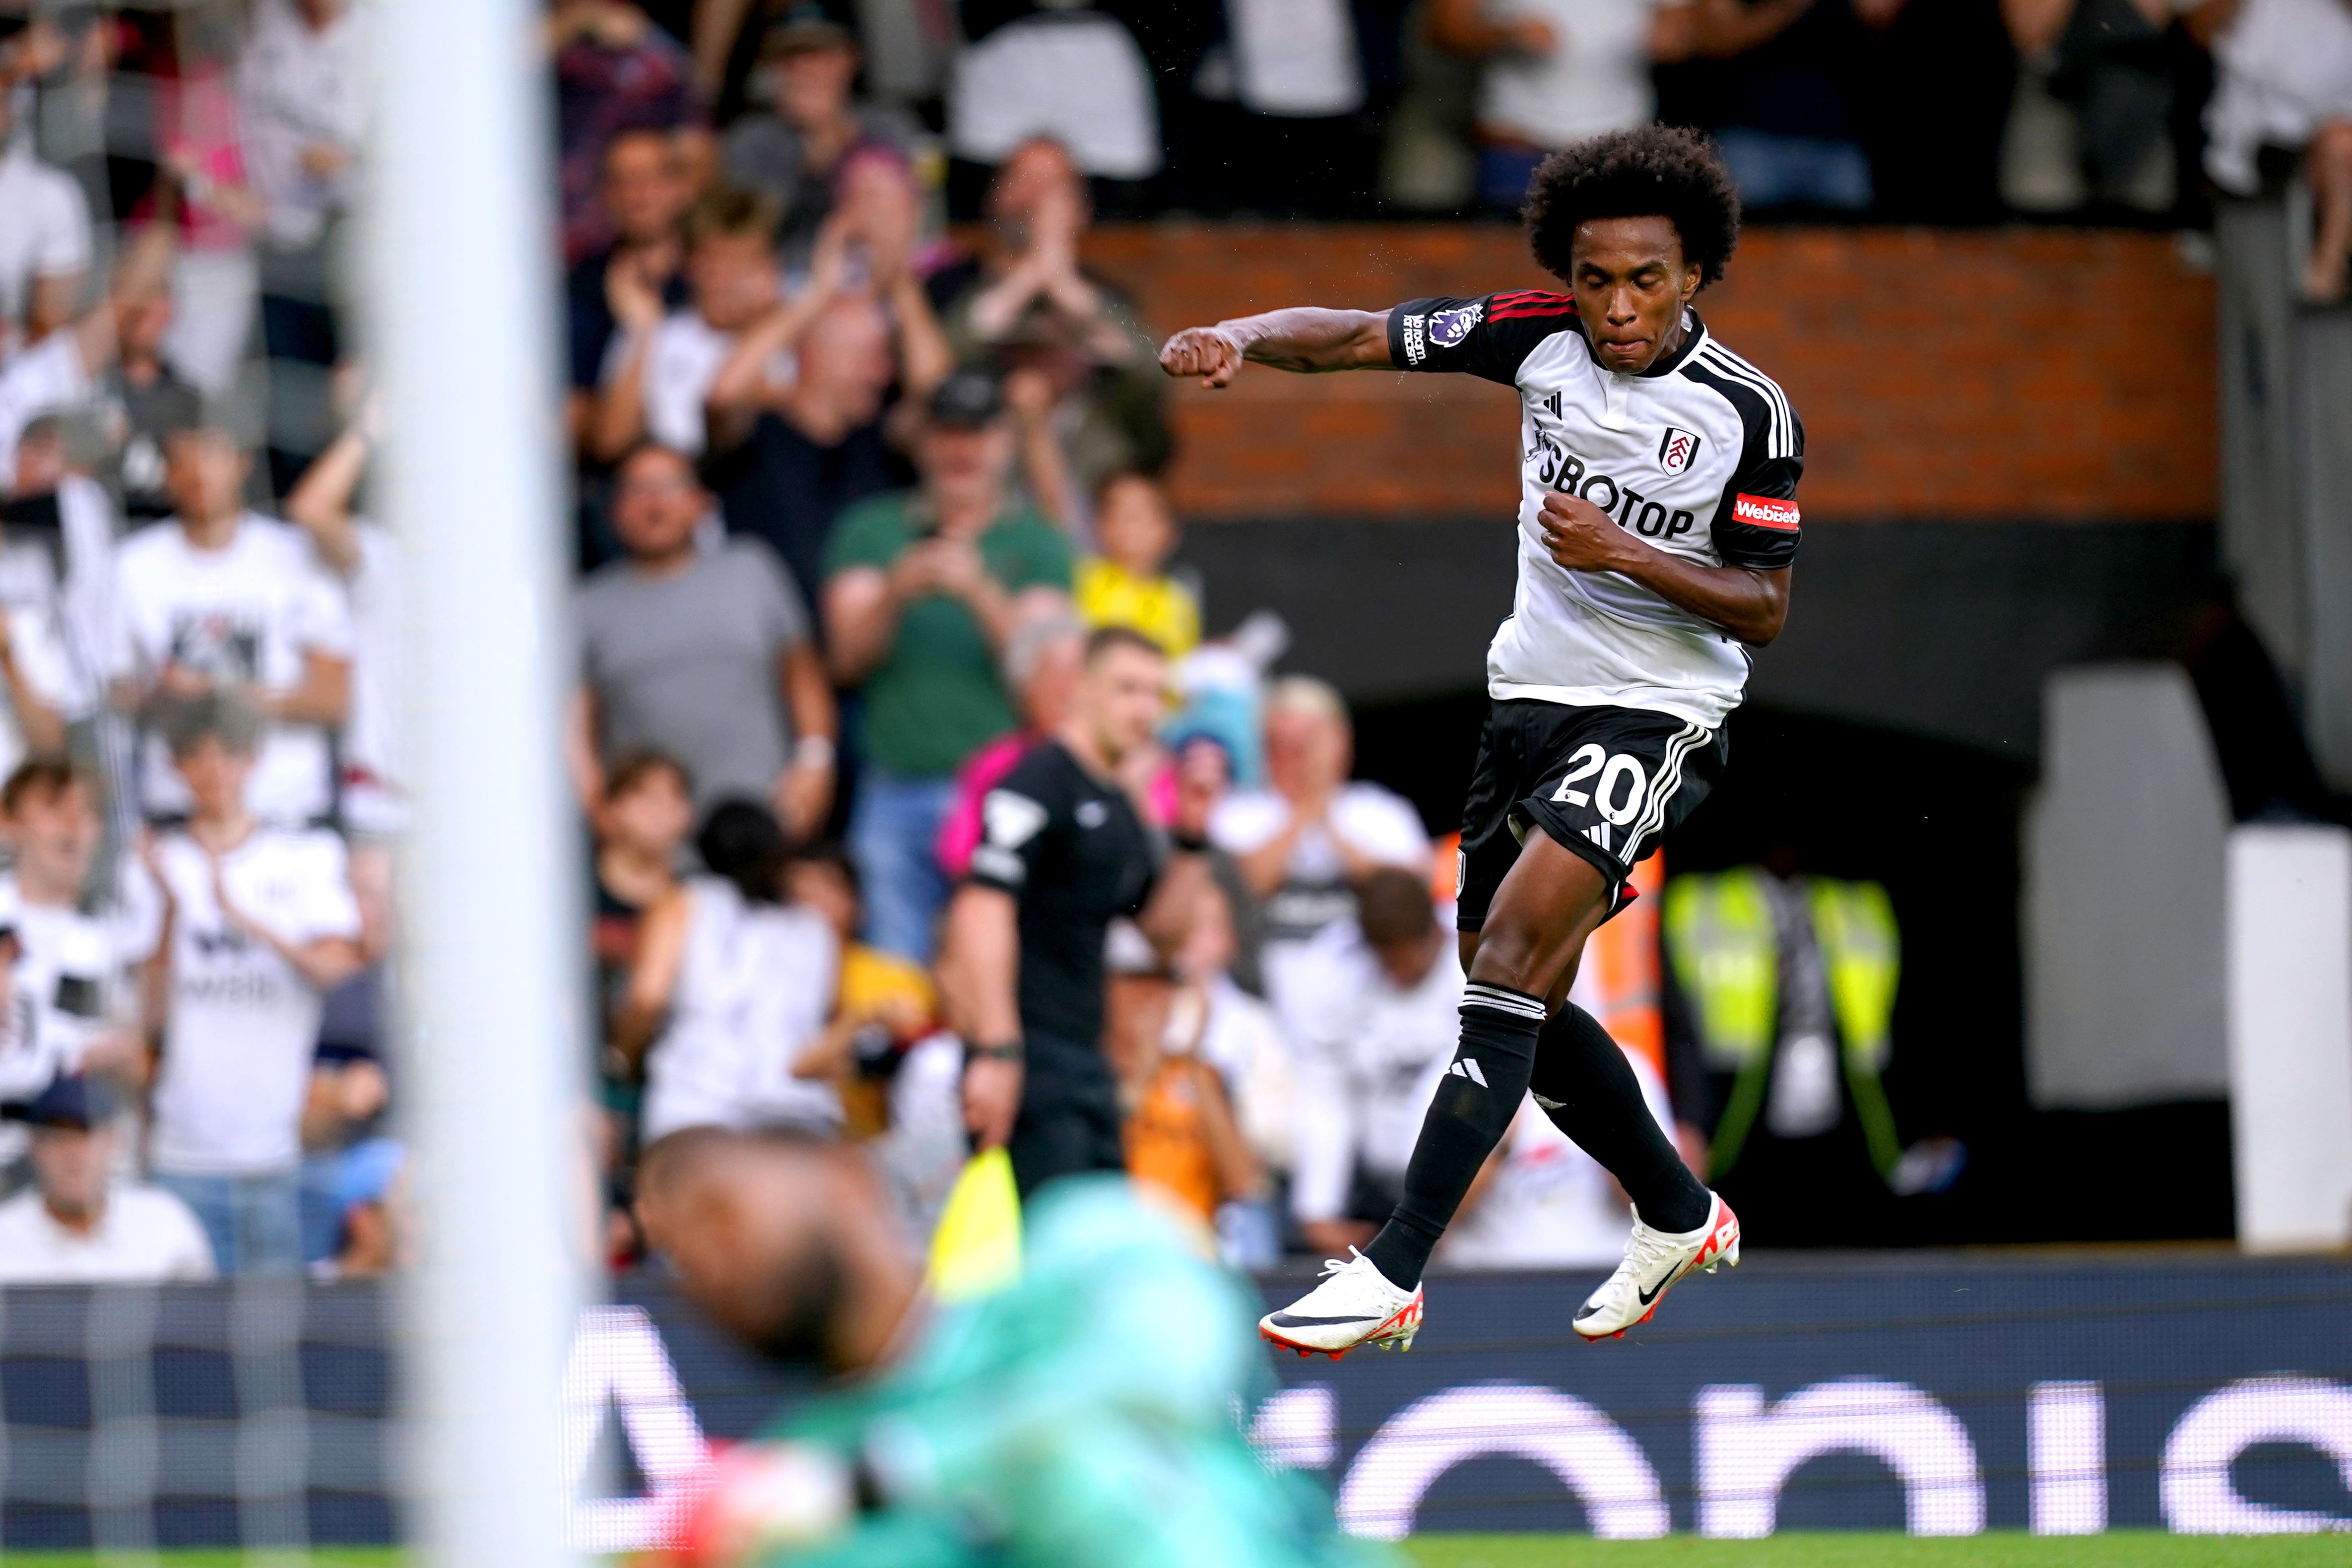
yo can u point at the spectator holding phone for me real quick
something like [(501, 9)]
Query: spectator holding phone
[(925, 591)]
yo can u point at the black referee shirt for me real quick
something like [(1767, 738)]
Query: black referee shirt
[(1069, 848)]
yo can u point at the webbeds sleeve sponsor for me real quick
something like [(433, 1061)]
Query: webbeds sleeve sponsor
[(1763, 511)]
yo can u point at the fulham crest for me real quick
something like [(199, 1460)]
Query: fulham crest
[(1677, 448)]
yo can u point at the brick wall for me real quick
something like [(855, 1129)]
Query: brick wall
[(2022, 375)]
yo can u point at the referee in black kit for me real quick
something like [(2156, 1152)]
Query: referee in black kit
[(1062, 853)]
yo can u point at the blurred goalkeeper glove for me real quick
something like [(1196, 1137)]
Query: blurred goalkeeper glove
[(754, 1500)]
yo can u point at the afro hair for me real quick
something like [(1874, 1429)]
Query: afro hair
[(1656, 171)]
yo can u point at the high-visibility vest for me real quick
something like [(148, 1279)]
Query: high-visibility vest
[(1727, 957), (1617, 981)]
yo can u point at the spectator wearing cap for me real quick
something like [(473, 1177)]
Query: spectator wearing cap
[(703, 655), (924, 592), (76, 1223), (645, 192), (1023, 304), (220, 599), (795, 150), (259, 924)]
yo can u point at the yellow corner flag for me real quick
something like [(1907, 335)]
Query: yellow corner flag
[(977, 1248)]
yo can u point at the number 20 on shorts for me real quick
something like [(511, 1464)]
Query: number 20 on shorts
[(1620, 774)]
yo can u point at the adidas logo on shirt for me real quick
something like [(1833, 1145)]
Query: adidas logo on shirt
[(1467, 1066)]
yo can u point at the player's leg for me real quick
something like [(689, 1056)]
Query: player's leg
[(1584, 1084), (1547, 904), (1358, 1304), (1551, 901), (1627, 775)]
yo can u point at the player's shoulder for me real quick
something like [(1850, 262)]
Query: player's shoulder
[(1047, 771), (1040, 788), (1763, 406), (1712, 355), (1489, 335)]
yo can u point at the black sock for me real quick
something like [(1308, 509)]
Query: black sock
[(1584, 1084), (1472, 1110)]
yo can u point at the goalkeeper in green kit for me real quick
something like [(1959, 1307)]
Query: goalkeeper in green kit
[(1022, 1429)]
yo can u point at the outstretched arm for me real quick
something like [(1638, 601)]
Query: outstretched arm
[(1304, 338)]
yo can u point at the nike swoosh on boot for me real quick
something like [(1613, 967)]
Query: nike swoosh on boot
[(1287, 1320)]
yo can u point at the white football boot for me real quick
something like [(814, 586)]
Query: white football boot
[(1655, 1260), (1355, 1305)]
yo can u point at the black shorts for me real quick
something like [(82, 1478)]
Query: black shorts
[(1605, 783), (1069, 1121)]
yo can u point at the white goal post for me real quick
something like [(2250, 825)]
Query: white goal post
[(460, 260)]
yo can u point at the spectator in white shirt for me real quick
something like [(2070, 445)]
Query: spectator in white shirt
[(663, 366), (2282, 95), (260, 924), (1067, 72), (1307, 841), (302, 93), (737, 984), (76, 1223), (42, 686), (45, 243), (71, 970), (217, 598), (1379, 1026), (68, 370), (365, 559)]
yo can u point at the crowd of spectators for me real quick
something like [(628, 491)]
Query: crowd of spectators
[(850, 494)]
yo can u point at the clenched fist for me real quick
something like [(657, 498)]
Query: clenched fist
[(1580, 536), (1210, 353)]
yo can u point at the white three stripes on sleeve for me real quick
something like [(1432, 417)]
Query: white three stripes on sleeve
[(1781, 441)]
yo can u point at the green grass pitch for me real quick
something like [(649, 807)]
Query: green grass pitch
[(1999, 1549)]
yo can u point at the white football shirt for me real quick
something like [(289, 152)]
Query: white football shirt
[(1369, 1055), (245, 615), (1595, 78), (144, 1235), (242, 1025), (754, 989), (1699, 455)]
